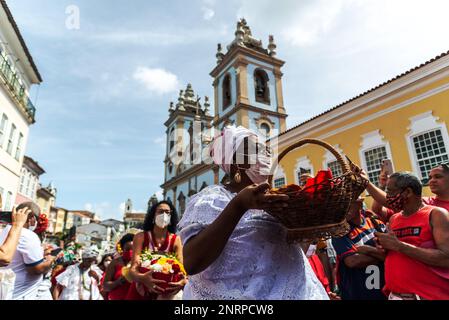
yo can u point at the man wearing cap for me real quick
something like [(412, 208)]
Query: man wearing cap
[(29, 263), (360, 266), (80, 281)]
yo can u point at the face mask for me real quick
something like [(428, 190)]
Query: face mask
[(163, 220), (396, 203), (32, 228), (127, 256), (258, 172)]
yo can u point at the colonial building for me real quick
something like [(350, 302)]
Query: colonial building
[(29, 181), (18, 73), (132, 219), (46, 199), (247, 82), (404, 119)]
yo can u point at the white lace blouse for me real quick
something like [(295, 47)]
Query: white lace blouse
[(256, 263)]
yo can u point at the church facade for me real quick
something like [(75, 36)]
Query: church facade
[(247, 82)]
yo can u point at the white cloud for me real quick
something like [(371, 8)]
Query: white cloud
[(208, 13), (121, 207), (157, 80)]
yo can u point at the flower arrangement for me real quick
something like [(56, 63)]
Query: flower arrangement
[(42, 224), (164, 266)]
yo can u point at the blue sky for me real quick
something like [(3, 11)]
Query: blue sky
[(107, 86)]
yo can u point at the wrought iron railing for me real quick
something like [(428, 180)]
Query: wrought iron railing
[(11, 80)]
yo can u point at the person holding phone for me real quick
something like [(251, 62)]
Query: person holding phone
[(8, 248), (29, 262)]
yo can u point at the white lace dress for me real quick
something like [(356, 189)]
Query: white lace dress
[(256, 263)]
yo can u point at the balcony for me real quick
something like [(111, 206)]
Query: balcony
[(17, 91)]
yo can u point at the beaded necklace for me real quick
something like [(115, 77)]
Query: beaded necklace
[(82, 285)]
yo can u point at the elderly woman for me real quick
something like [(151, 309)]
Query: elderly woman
[(233, 249), (80, 281)]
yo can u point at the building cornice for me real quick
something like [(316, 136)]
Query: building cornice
[(236, 50), (185, 175)]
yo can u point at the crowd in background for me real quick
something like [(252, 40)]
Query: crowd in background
[(232, 249)]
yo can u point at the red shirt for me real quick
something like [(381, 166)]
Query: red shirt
[(434, 201), (406, 275)]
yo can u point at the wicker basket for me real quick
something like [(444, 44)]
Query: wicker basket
[(321, 213)]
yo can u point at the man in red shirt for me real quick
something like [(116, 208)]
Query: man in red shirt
[(417, 245), (438, 184)]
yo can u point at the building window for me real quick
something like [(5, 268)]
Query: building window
[(22, 182), (1, 198), (19, 146), (373, 160), (27, 183), (430, 151), (3, 124), (226, 91), (301, 171), (182, 203), (262, 92), (265, 129), (8, 201), (172, 138), (11, 139), (279, 182), (335, 168)]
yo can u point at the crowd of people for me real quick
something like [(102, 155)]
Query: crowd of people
[(231, 248)]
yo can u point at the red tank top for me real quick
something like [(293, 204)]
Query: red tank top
[(406, 275), (148, 244), (120, 292), (167, 247)]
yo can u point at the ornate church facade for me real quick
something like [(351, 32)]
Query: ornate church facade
[(247, 82)]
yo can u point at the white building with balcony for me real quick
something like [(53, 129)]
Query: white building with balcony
[(17, 74)]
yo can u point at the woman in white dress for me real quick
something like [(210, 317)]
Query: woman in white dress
[(81, 280), (233, 249)]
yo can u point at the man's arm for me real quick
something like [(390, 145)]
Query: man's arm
[(42, 267), (8, 248), (359, 261)]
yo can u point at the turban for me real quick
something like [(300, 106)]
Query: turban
[(225, 145), (90, 253)]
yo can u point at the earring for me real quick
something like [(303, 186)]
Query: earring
[(237, 177)]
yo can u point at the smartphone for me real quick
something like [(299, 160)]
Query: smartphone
[(55, 252), (387, 166), (6, 216)]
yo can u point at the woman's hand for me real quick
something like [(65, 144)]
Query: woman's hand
[(19, 218), (256, 197), (151, 283), (175, 287)]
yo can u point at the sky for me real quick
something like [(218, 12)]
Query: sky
[(99, 131)]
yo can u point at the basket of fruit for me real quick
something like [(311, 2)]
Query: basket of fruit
[(318, 209)]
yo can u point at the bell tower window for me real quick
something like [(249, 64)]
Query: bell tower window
[(262, 92), (226, 91), (265, 129)]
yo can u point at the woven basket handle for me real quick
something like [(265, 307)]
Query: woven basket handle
[(344, 165)]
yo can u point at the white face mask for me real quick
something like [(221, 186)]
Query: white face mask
[(163, 220), (32, 228), (258, 172)]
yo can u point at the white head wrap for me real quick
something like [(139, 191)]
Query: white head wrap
[(90, 253), (225, 146)]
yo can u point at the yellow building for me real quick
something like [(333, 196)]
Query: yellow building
[(404, 119)]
